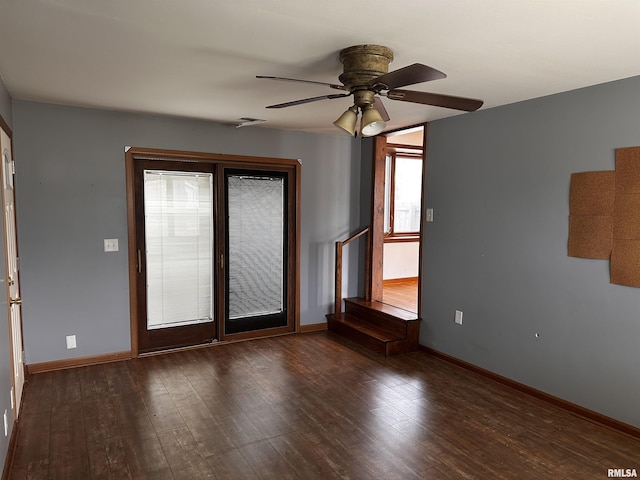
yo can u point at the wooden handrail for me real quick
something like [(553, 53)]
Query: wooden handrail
[(338, 272)]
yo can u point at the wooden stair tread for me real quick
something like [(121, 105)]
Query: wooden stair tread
[(371, 330), (380, 327), (397, 313)]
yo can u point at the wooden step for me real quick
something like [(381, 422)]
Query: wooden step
[(381, 309), (383, 328), (369, 335)]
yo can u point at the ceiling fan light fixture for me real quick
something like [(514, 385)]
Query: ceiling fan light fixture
[(371, 123), (366, 76), (348, 120)]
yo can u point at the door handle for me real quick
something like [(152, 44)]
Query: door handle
[(15, 301)]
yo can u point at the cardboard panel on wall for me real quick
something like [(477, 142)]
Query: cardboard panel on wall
[(628, 170), (625, 262), (625, 255), (591, 236), (591, 208), (626, 219), (592, 193), (604, 216)]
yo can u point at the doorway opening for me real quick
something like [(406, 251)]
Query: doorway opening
[(398, 173)]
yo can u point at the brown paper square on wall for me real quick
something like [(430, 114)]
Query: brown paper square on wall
[(628, 170), (590, 236), (625, 263), (592, 193), (604, 217), (626, 219)]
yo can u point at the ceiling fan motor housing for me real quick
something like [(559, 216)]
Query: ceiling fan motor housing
[(363, 63)]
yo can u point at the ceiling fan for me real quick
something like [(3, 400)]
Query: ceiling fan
[(366, 77)]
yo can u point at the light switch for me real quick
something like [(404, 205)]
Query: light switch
[(110, 244), (429, 215)]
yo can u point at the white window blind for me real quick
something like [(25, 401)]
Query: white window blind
[(256, 245), (179, 242)]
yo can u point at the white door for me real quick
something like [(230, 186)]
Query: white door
[(13, 283)]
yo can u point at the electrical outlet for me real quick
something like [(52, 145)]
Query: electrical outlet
[(71, 341), (458, 318)]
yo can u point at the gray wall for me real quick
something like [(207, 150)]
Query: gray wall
[(5, 341), (498, 181), (71, 195)]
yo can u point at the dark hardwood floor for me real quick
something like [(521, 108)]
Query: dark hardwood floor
[(401, 293), (309, 406)]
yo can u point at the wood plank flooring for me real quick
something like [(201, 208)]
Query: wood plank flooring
[(401, 293), (310, 406)]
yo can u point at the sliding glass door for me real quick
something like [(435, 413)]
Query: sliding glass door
[(256, 250), (215, 251), (176, 255)]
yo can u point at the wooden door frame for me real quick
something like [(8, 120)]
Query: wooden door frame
[(376, 236), (133, 153), (374, 288), (16, 406)]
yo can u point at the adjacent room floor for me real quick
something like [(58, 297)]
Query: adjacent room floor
[(401, 293), (309, 406)]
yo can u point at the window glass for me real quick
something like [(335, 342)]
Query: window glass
[(407, 194), (179, 239)]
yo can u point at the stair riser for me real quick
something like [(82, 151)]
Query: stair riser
[(382, 328), (380, 319), (358, 337)]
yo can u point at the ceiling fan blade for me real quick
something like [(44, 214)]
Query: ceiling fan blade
[(436, 99), (309, 100), (415, 73), (379, 106), (332, 85)]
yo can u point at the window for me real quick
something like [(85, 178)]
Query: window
[(403, 192), (179, 241)]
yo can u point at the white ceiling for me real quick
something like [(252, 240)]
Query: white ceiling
[(199, 58)]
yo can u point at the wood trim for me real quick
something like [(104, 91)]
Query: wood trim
[(5, 126), (133, 252), (77, 362), (393, 147), (558, 402), (185, 155), (298, 246), (11, 450), (391, 281), (425, 137), (255, 334), (402, 129), (314, 327), (376, 236), (402, 238)]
